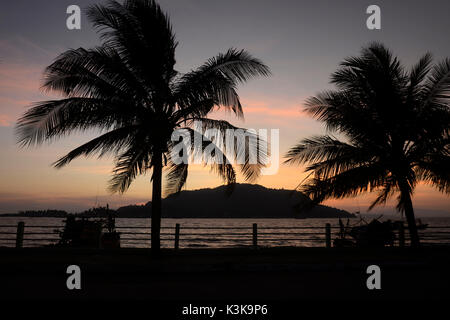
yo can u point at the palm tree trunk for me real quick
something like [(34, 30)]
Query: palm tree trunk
[(156, 202), (409, 213)]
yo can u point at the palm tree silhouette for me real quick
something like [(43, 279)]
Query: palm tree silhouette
[(394, 129), (128, 88)]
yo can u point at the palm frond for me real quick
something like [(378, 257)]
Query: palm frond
[(134, 161), (209, 152), (176, 177), (94, 73), (346, 184), (51, 119), (387, 191), (194, 110), (437, 86), (434, 170), (142, 35), (237, 65), (245, 147), (217, 80), (418, 73), (318, 148), (110, 142)]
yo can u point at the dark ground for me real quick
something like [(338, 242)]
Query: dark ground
[(263, 276)]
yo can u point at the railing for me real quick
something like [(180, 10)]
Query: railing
[(33, 235)]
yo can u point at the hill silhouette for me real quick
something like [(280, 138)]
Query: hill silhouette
[(246, 201)]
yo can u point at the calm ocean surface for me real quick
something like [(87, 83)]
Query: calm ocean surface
[(200, 233)]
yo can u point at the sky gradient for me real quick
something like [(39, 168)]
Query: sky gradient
[(301, 41)]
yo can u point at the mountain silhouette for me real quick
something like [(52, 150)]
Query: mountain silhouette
[(246, 201)]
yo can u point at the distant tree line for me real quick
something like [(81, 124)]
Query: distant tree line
[(43, 213)]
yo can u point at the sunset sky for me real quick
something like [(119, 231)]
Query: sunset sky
[(301, 41)]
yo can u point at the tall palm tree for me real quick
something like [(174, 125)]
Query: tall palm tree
[(393, 126), (128, 88)]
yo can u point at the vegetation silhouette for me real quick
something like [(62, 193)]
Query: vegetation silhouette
[(128, 88), (246, 201), (394, 129)]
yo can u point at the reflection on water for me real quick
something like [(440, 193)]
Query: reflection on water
[(201, 233)]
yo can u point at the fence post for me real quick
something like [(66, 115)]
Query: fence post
[(401, 235), (19, 235), (255, 235), (328, 235), (177, 236)]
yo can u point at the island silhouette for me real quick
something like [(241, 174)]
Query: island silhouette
[(246, 201)]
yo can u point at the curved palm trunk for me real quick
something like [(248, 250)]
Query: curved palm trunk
[(156, 203), (409, 213)]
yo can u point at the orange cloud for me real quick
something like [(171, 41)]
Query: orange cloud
[(24, 78), (5, 120), (19, 88), (285, 112), (95, 169), (273, 107)]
